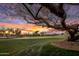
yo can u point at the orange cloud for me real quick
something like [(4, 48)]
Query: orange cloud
[(27, 27)]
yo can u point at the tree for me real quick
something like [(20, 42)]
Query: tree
[(18, 32), (58, 10), (36, 33)]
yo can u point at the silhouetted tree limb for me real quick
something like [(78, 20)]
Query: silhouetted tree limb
[(58, 10), (27, 8), (38, 12)]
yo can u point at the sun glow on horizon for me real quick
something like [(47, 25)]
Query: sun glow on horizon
[(25, 27)]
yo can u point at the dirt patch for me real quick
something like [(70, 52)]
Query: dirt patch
[(66, 45)]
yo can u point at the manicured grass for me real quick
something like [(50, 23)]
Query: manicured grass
[(49, 50), (12, 46), (39, 45)]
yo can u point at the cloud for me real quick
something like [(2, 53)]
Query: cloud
[(72, 11)]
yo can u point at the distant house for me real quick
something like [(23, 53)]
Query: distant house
[(52, 31), (2, 31), (55, 33)]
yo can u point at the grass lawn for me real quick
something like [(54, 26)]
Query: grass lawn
[(49, 50), (32, 46)]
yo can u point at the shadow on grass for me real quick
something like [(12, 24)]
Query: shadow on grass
[(48, 50)]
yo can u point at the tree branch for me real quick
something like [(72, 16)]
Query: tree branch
[(27, 8), (38, 11)]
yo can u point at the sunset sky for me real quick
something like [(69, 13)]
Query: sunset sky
[(25, 27), (10, 13)]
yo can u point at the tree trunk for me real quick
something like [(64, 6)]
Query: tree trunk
[(72, 37)]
